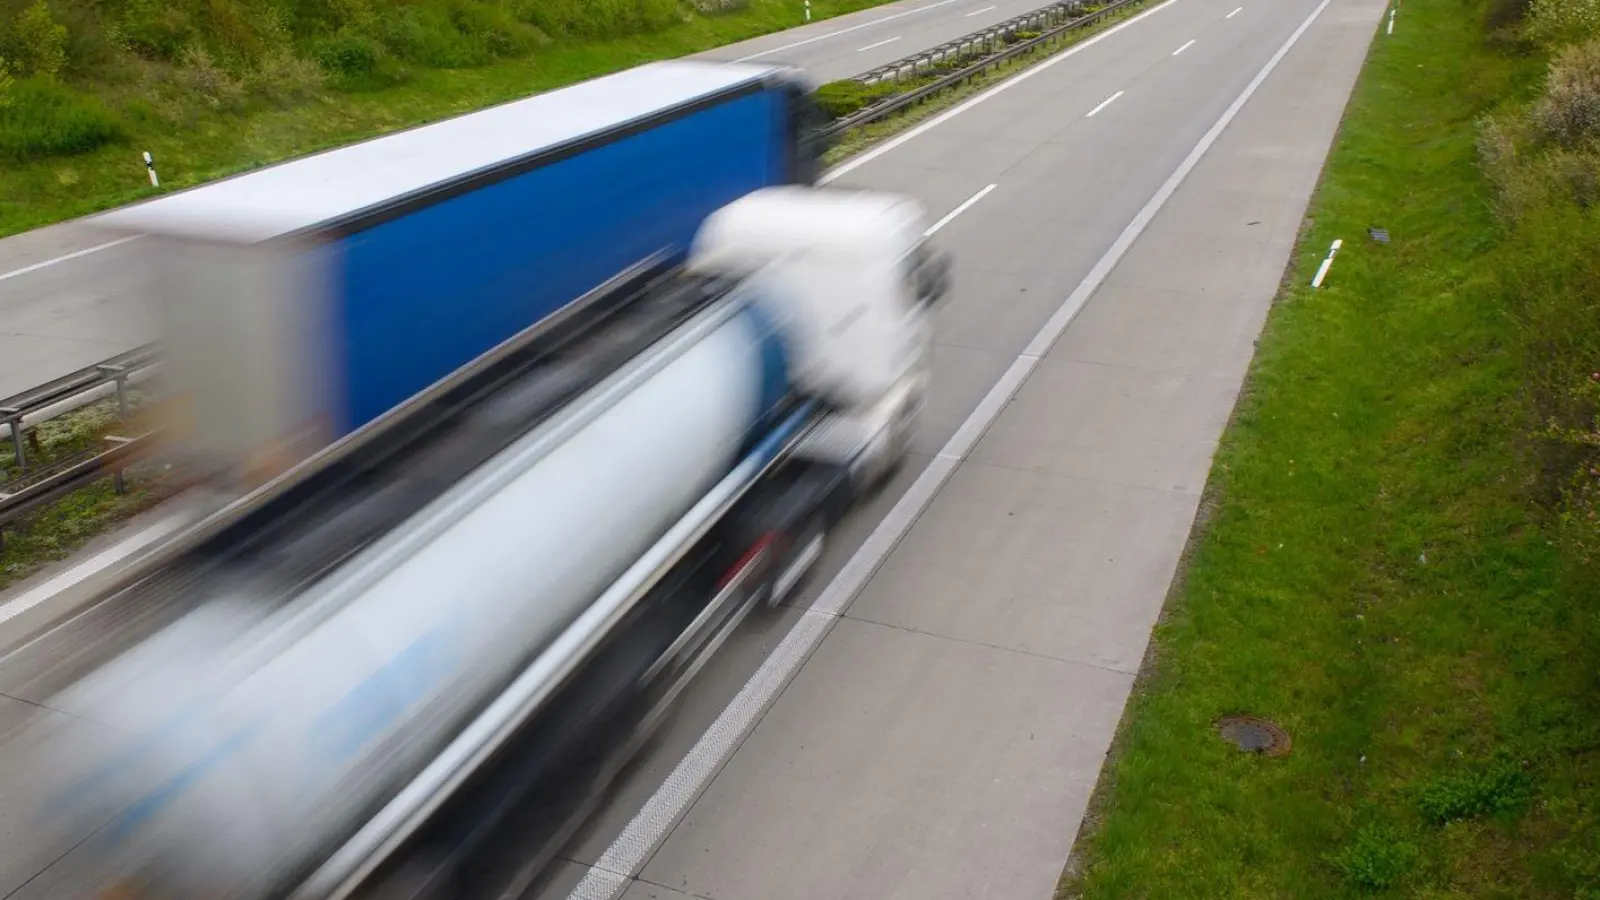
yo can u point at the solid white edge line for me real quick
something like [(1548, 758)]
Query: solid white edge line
[(1103, 104), (63, 258), (951, 215), (22, 603), (833, 34), (862, 159), (1187, 45), (878, 44), (615, 869), (1234, 13), (977, 11)]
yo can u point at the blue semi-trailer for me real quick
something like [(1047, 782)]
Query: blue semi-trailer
[(362, 275)]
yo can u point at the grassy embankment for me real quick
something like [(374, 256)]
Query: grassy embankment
[(1396, 559), (212, 87)]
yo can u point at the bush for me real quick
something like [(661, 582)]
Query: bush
[(46, 119), (157, 30), (719, 7), (35, 44), (426, 36), (200, 74), (348, 55), (492, 28), (1550, 284), (842, 98), (1569, 113), (284, 77), (6, 81), (1563, 21)]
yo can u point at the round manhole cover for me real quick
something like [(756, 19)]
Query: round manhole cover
[(1254, 735)]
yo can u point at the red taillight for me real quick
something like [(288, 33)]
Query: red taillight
[(750, 558)]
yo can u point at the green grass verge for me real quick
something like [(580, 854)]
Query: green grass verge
[(61, 529), (191, 147), (1371, 570)]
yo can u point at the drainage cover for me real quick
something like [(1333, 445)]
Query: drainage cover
[(1254, 735)]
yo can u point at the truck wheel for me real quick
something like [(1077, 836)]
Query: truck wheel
[(798, 562)]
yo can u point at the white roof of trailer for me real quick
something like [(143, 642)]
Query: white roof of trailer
[(303, 193)]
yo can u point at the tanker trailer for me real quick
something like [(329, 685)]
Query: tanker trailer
[(297, 748)]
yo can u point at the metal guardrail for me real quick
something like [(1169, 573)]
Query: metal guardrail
[(945, 54), (16, 409), (987, 41), (54, 481), (78, 473)]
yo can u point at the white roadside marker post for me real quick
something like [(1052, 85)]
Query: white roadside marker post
[(1322, 270)]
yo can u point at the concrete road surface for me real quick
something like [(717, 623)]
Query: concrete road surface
[(930, 722), (929, 718), (68, 301)]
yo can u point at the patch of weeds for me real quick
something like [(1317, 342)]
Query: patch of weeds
[(1503, 788), (1378, 858)]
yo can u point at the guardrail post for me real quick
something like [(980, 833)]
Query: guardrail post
[(13, 417), (120, 375), (117, 483)]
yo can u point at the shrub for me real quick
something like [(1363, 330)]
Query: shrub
[(427, 36), (35, 44), (200, 74), (1569, 112), (284, 77), (719, 7), (47, 119), (6, 81), (348, 55), (156, 29), (491, 27), (842, 98), (1562, 21)]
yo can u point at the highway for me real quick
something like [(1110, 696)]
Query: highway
[(66, 300), (929, 718)]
